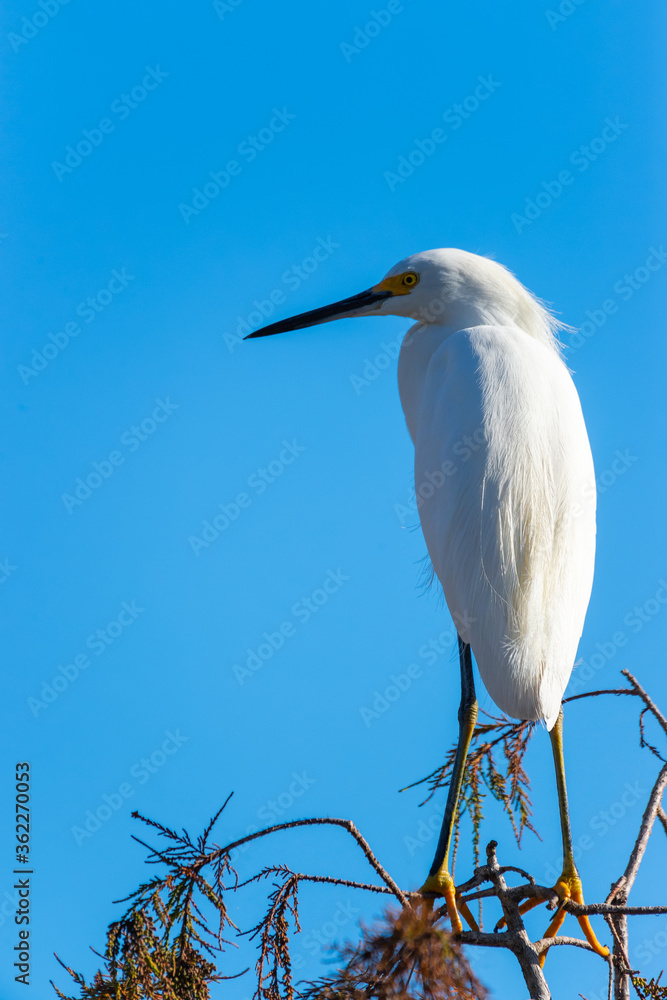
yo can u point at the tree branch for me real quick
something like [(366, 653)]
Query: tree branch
[(346, 824), (639, 690), (628, 877), (662, 816)]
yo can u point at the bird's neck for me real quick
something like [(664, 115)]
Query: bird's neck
[(419, 345)]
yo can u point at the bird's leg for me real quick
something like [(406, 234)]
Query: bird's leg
[(568, 885), (439, 881)]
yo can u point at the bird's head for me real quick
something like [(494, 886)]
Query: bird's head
[(445, 287)]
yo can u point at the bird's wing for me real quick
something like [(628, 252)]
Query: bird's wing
[(506, 492)]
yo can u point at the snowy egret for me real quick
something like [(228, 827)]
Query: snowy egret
[(506, 491)]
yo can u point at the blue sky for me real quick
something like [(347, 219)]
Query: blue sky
[(171, 178)]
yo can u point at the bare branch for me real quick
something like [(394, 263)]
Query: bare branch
[(602, 908), (662, 816), (545, 943), (626, 881), (330, 880), (346, 824), (639, 690), (595, 694), (617, 919)]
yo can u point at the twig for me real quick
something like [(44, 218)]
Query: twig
[(330, 880), (628, 877), (639, 690), (545, 943), (346, 824), (602, 908), (594, 694)]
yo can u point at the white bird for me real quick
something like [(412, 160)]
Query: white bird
[(505, 488)]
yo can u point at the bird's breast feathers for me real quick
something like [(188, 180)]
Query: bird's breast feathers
[(505, 487)]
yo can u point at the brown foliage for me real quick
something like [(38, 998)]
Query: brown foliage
[(166, 945), (162, 947), (506, 779), (406, 957)]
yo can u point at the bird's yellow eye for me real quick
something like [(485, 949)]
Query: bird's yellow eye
[(398, 284)]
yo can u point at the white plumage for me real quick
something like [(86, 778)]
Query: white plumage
[(503, 473), (503, 470)]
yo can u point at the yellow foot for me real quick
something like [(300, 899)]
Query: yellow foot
[(442, 884), (568, 887)]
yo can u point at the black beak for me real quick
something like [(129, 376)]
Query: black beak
[(346, 307)]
